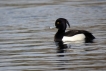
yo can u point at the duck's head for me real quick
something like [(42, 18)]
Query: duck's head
[(61, 24)]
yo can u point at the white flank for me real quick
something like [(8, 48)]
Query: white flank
[(75, 38)]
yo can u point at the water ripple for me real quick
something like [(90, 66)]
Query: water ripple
[(26, 39)]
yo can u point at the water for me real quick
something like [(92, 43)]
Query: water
[(27, 34)]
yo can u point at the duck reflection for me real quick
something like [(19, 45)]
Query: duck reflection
[(61, 48)]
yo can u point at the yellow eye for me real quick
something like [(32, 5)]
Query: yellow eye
[(58, 23)]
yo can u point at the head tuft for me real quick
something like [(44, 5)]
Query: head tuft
[(61, 23)]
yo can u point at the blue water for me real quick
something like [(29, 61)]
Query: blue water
[(27, 35)]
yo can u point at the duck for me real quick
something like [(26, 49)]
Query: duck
[(71, 35)]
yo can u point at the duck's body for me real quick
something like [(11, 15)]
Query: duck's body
[(72, 35)]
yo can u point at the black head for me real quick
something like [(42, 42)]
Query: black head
[(61, 24)]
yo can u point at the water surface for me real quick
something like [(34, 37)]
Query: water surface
[(27, 34)]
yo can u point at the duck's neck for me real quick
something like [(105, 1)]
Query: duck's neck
[(59, 35)]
